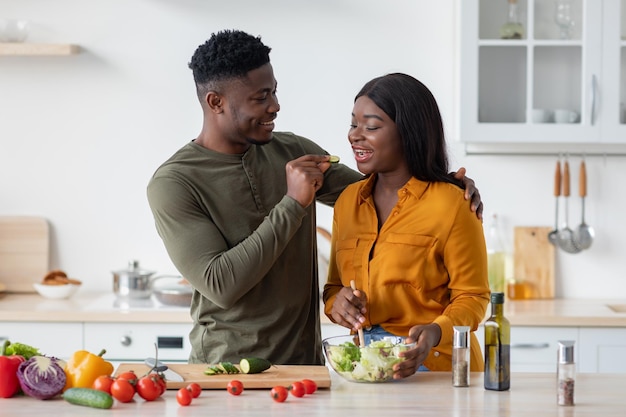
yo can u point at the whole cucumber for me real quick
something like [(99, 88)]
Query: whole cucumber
[(88, 397)]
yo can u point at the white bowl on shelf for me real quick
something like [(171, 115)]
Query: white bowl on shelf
[(56, 291), (13, 30)]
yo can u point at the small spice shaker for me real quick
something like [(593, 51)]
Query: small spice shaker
[(461, 357), (566, 373)]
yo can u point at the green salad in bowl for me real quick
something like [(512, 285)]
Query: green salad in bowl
[(372, 363)]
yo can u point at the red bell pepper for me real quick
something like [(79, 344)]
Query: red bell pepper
[(9, 384)]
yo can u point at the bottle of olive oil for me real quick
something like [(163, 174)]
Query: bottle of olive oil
[(513, 28), (497, 346)]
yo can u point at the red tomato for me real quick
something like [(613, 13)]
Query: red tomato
[(103, 383), (122, 390), (297, 389), (194, 389), (148, 387), (130, 376), (183, 396), (161, 381), (310, 386), (279, 393), (234, 387)]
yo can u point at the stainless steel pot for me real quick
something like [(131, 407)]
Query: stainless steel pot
[(132, 283)]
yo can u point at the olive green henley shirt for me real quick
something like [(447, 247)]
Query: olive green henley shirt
[(248, 250)]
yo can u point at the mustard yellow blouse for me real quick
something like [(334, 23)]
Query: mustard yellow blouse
[(428, 262)]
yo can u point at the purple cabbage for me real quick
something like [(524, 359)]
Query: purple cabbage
[(42, 377)]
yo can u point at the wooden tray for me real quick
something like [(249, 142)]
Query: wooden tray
[(276, 375)]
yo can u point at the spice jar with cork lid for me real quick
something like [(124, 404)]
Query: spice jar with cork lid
[(461, 357), (566, 373)]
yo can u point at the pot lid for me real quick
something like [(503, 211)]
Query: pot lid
[(134, 270)]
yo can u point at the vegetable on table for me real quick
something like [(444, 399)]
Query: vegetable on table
[(221, 368), (42, 377), (183, 396), (16, 348), (279, 393), (9, 363), (88, 397), (254, 365), (234, 387), (84, 367), (246, 366)]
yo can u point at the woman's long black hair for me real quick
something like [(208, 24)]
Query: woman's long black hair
[(413, 108)]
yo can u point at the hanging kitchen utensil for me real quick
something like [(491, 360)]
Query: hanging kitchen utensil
[(584, 233), (566, 235), (553, 236)]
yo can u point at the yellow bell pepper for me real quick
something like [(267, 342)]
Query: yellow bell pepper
[(84, 367)]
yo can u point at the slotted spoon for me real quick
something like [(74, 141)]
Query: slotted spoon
[(584, 233)]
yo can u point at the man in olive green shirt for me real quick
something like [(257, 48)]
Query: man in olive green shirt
[(235, 209)]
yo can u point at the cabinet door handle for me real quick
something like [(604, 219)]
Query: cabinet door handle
[(530, 346), (594, 91)]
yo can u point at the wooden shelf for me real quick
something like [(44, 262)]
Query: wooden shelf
[(37, 49)]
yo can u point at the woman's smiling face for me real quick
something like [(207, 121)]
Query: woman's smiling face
[(375, 140)]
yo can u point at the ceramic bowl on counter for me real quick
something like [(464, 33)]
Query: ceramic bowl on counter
[(56, 291), (372, 363), (13, 30)]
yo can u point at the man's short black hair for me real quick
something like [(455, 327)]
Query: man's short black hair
[(228, 54)]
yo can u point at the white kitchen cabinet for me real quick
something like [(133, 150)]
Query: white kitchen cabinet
[(602, 350), (534, 349), (504, 80), (136, 341), (54, 339)]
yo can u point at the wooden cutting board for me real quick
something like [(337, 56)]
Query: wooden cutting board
[(24, 252), (276, 375), (533, 261)]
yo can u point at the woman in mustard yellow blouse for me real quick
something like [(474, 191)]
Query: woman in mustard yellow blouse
[(404, 234)]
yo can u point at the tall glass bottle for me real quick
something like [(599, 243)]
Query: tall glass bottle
[(513, 28), (496, 256), (497, 346)]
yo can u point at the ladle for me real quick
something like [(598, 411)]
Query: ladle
[(566, 235), (553, 236), (584, 233)]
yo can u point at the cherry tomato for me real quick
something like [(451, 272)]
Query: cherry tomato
[(122, 390), (183, 396), (279, 393), (297, 389), (194, 389), (234, 387), (310, 386), (103, 383), (130, 376), (149, 388), (161, 381)]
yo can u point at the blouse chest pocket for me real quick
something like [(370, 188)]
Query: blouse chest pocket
[(349, 253), (405, 256)]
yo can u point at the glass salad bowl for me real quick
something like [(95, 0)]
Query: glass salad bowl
[(372, 363)]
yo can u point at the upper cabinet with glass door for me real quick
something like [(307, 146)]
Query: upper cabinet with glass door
[(543, 71)]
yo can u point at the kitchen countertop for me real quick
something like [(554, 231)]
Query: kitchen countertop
[(103, 307), (425, 393)]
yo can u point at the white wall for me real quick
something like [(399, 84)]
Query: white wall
[(80, 136)]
